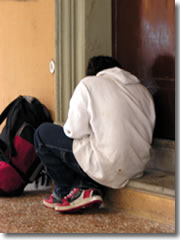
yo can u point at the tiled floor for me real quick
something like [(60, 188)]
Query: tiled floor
[(26, 214)]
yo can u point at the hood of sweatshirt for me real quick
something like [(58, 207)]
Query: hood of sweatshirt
[(119, 74)]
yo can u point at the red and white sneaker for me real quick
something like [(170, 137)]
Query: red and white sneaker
[(50, 201), (79, 199)]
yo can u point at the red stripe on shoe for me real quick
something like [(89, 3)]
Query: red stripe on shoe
[(87, 193)]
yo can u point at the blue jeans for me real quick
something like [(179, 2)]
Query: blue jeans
[(54, 149)]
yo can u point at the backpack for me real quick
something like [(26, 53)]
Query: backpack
[(19, 164)]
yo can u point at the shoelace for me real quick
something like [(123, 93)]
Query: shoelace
[(70, 194)]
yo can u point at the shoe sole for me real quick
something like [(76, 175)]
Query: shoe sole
[(95, 201), (49, 205)]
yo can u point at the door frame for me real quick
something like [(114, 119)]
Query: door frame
[(82, 30)]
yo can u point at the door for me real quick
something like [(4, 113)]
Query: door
[(144, 43)]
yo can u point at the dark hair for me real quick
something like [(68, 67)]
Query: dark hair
[(99, 63)]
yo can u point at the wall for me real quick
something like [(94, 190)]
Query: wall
[(26, 47), (98, 28)]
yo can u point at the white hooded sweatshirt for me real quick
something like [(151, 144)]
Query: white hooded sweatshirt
[(111, 119)]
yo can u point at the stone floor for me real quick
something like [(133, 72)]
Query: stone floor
[(26, 214), (156, 181)]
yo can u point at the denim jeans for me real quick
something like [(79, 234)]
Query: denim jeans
[(54, 149)]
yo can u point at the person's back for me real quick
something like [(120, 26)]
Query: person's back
[(121, 118)]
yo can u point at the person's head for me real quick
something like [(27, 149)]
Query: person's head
[(99, 63)]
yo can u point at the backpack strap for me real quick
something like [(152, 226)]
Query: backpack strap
[(12, 106), (7, 109)]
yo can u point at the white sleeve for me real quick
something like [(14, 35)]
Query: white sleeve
[(77, 123)]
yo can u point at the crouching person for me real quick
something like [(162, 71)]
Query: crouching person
[(105, 141)]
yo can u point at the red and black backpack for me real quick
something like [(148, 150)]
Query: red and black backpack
[(19, 164)]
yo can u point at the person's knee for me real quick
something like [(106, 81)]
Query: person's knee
[(39, 135), (39, 142)]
